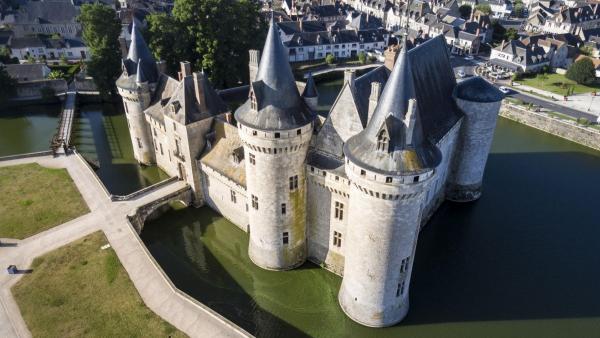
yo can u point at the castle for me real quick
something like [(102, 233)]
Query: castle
[(349, 190)]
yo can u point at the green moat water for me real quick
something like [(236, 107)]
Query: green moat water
[(101, 134), (27, 129), (520, 262)]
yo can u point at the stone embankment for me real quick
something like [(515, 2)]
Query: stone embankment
[(567, 129)]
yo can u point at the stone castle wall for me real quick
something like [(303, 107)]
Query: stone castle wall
[(584, 136), (218, 195)]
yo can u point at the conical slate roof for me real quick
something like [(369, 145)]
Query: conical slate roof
[(138, 50), (311, 88), (279, 105), (407, 150)]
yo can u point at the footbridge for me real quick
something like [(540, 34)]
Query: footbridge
[(62, 137)]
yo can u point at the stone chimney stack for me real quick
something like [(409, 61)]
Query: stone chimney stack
[(199, 90), (391, 54), (373, 99), (186, 69), (253, 64), (350, 76)]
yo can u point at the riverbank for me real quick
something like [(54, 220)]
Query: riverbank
[(553, 124)]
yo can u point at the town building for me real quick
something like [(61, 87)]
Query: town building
[(49, 48), (517, 57), (565, 19), (43, 17), (349, 190)]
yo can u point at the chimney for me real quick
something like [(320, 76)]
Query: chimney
[(253, 64), (186, 70), (390, 54), (199, 90), (409, 120), (373, 99), (161, 66), (349, 76)]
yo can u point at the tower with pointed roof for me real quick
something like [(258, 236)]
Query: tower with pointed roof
[(136, 85), (275, 125), (390, 165)]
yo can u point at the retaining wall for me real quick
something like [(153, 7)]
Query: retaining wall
[(586, 136)]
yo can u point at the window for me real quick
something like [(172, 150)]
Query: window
[(254, 202), (299, 131), (277, 135), (139, 142), (253, 104), (283, 207), (286, 237), (312, 169), (400, 289), (161, 149), (337, 239), (362, 172), (233, 197), (154, 131), (339, 210), (254, 133), (294, 182), (252, 159), (382, 141), (415, 179), (174, 126), (404, 264), (388, 180)]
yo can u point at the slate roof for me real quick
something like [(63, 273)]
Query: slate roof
[(477, 89), (279, 105), (524, 55), (310, 90), (46, 42), (138, 50), (406, 153), (26, 72), (335, 37), (46, 12)]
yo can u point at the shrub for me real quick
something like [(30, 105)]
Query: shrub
[(330, 59), (582, 71), (56, 74), (362, 58)]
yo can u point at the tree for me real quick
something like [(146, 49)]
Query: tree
[(498, 31), (8, 85), (101, 29), (5, 57), (465, 11), (362, 57), (582, 71), (484, 8), (519, 9), (511, 34), (214, 34), (56, 74), (330, 59), (586, 50)]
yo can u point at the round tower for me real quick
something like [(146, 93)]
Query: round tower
[(136, 86), (480, 103), (275, 126), (390, 165)]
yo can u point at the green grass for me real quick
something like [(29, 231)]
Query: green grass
[(34, 199), (80, 290), (557, 83)]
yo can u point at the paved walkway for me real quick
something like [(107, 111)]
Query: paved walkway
[(158, 294)]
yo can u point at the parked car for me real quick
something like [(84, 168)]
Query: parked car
[(504, 90), (469, 57)]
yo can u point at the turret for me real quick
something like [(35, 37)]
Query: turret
[(136, 86), (390, 165), (310, 93), (275, 125), (480, 103)]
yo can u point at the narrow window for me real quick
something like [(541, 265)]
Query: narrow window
[(254, 132), (254, 202), (339, 210), (233, 197), (363, 173), (400, 289), (382, 140), (154, 130), (139, 142), (286, 237), (161, 149), (252, 159), (174, 126), (404, 264), (294, 183), (312, 169), (415, 179), (337, 239), (277, 135), (299, 131), (388, 180), (283, 208)]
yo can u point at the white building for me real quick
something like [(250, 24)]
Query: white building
[(73, 49)]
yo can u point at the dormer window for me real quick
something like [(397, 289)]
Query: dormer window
[(175, 107), (383, 141)]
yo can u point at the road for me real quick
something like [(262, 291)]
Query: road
[(468, 66)]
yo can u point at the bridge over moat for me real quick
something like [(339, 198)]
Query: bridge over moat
[(120, 218)]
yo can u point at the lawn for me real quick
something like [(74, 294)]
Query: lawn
[(80, 290), (34, 199), (557, 84)]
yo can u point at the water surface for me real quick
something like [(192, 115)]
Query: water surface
[(26, 129)]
